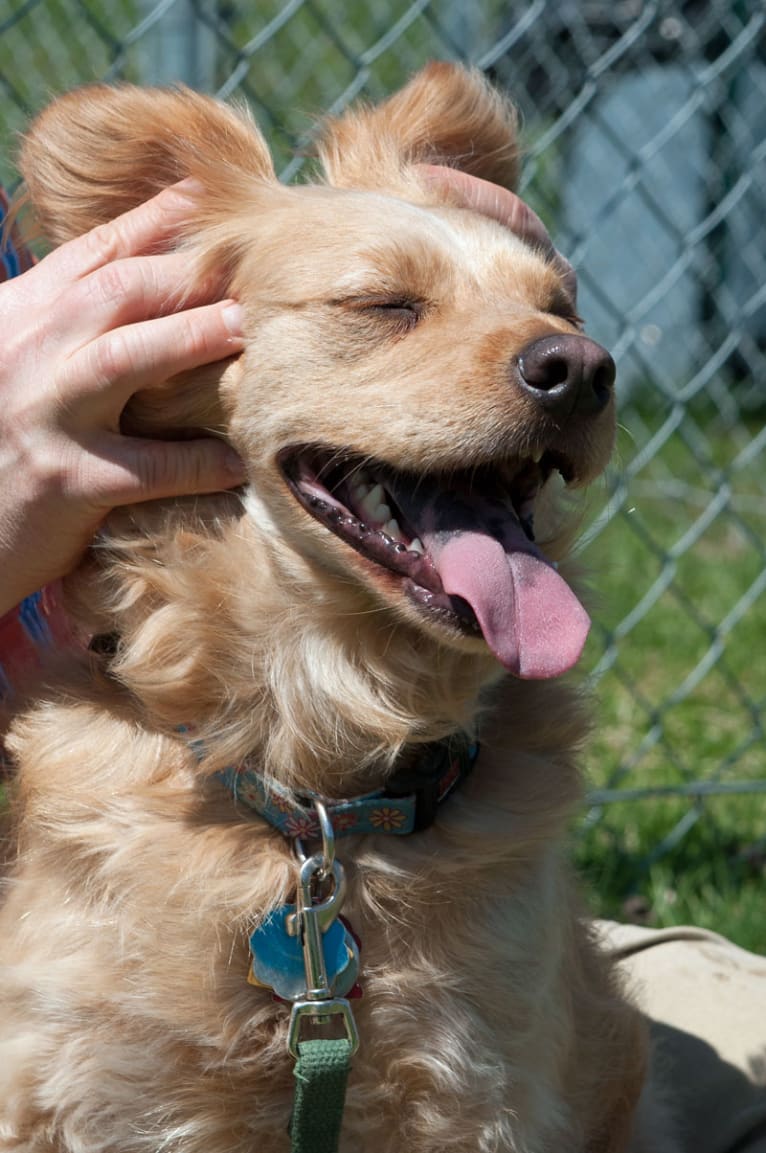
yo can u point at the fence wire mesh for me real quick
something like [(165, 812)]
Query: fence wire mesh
[(645, 137)]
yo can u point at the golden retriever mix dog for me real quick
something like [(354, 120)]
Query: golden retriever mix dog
[(324, 643)]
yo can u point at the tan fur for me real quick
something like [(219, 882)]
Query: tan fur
[(489, 1022)]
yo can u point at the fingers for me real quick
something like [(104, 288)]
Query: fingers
[(491, 200), (138, 470), (72, 296), (125, 325), (148, 228), (102, 317), (505, 207), (133, 289), (120, 293), (101, 376)]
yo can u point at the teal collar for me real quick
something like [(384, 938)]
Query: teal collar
[(407, 804)]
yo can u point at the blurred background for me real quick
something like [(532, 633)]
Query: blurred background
[(645, 154)]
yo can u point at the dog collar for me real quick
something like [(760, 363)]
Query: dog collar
[(407, 804)]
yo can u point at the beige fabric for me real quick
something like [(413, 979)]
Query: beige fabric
[(707, 1001)]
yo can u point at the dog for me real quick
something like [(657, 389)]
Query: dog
[(415, 397)]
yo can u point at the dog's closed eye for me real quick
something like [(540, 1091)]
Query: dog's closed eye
[(563, 306), (399, 311)]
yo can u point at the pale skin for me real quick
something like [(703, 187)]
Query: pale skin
[(94, 322)]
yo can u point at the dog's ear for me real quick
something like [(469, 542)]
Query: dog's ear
[(447, 114), (99, 150)]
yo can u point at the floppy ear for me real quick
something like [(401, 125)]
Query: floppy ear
[(447, 114), (101, 150)]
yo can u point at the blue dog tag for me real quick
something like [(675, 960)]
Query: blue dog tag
[(277, 957)]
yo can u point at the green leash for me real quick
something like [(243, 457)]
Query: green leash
[(322, 1063), (321, 1072), (287, 948)]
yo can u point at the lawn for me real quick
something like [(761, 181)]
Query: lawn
[(680, 682)]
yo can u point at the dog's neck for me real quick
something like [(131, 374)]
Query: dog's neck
[(343, 727), (320, 689)]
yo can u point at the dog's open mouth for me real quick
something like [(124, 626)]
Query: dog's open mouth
[(462, 543)]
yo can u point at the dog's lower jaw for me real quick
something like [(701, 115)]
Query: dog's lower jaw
[(369, 587)]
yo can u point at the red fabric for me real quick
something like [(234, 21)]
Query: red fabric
[(33, 628)]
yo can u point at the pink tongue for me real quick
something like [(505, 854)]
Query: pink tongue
[(530, 618)]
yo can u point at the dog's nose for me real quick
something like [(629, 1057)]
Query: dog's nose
[(567, 373)]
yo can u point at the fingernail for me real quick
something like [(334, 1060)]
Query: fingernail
[(234, 318), (190, 186)]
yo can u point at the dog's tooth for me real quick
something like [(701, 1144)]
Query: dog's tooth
[(374, 505), (392, 528), (416, 545), (360, 491), (537, 456), (369, 502)]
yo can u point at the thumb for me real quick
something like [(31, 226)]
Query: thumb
[(505, 207), (490, 200), (151, 469)]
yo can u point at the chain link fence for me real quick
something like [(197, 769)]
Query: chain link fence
[(645, 138)]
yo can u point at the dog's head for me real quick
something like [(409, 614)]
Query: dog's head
[(414, 375)]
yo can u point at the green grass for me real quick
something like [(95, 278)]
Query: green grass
[(682, 699)]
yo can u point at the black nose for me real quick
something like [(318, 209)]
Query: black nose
[(567, 373)]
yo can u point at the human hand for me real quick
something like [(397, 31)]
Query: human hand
[(95, 321), (504, 206)]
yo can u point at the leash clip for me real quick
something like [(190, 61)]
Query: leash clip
[(311, 920), (318, 1008)]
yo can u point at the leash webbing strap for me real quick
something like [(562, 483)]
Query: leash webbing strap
[(321, 1072)]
